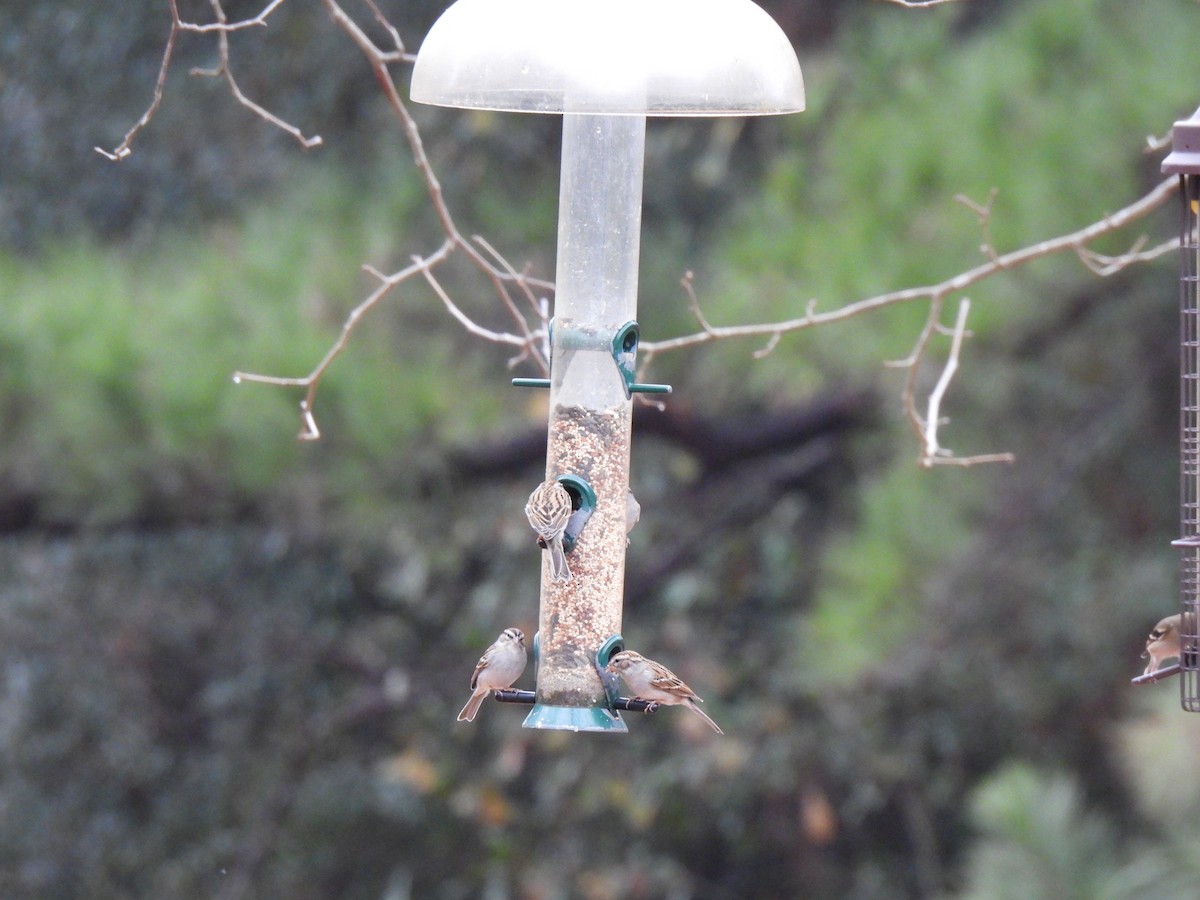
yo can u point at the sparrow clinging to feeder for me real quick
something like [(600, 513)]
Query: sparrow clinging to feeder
[(548, 510), (500, 666), (650, 680), (1162, 643)]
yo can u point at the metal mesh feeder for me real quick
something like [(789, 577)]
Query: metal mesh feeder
[(1184, 160), (604, 67)]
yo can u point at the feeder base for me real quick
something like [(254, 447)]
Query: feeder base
[(574, 718)]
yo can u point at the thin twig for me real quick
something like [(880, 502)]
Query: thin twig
[(1104, 265), (525, 284), (693, 303), (472, 327), (223, 27), (125, 148), (932, 450), (379, 64), (932, 453), (309, 431), (1073, 242), (1155, 143), (769, 347), (223, 70), (399, 54), (913, 364), (499, 273), (984, 212)]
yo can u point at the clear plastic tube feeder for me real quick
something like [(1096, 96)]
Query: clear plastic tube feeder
[(605, 67)]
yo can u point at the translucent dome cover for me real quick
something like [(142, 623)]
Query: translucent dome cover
[(649, 57)]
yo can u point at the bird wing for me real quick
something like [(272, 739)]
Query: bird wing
[(479, 666), (670, 683)]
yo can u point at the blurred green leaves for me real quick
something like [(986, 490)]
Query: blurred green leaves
[(121, 404), (276, 701), (1040, 843), (910, 114)]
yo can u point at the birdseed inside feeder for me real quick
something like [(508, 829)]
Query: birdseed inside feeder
[(604, 67)]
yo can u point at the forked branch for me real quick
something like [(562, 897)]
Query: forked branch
[(1076, 242), (524, 299), (222, 27)]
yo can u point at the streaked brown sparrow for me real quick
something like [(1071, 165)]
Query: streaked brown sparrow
[(548, 510), (650, 680), (500, 666)]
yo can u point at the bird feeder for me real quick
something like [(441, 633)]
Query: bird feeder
[(1184, 161), (604, 67)]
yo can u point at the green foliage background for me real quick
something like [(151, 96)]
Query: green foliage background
[(230, 661)]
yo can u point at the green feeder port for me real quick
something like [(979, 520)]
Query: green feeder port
[(604, 655), (616, 703), (567, 718), (624, 351), (583, 501), (592, 718)]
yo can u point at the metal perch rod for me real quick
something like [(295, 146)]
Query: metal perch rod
[(1164, 672), (624, 703)]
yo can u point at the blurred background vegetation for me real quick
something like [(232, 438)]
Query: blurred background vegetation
[(230, 662)]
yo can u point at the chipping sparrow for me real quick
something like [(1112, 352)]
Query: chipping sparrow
[(1162, 643), (653, 681), (548, 510), (501, 665)]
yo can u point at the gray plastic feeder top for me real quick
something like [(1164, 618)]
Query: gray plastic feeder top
[(633, 57), (1184, 158)]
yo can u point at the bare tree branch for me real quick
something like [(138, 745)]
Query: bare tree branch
[(931, 452), (222, 27), (539, 306), (1104, 265), (499, 276), (494, 267), (984, 212), (222, 69), (529, 310), (309, 431), (124, 148), (1075, 242), (472, 327), (913, 364)]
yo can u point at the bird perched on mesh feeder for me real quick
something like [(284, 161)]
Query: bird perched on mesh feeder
[(650, 680), (548, 510), (1164, 642), (499, 667)]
